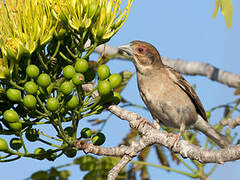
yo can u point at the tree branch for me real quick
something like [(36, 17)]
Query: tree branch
[(185, 67), (150, 136), (232, 123)]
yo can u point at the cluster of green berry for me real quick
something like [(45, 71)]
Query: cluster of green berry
[(107, 82), (96, 138), (43, 96)]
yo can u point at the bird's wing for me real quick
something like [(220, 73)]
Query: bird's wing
[(185, 86)]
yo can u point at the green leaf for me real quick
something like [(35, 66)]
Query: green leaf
[(162, 157), (87, 163), (227, 11), (217, 5), (92, 175), (98, 168), (53, 173), (237, 91), (63, 175), (40, 175), (108, 162)]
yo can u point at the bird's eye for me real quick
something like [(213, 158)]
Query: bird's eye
[(140, 50)]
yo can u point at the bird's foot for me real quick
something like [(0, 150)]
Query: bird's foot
[(144, 121)]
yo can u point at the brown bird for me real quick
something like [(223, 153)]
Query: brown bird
[(168, 96)]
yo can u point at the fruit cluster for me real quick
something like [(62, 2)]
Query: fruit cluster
[(45, 97), (107, 82), (97, 138)]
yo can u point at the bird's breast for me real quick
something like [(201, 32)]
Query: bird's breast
[(166, 101)]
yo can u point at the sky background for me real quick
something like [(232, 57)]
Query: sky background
[(178, 29)]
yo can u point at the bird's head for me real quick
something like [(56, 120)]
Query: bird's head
[(144, 55)]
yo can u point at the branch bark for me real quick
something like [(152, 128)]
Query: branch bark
[(232, 123), (150, 136)]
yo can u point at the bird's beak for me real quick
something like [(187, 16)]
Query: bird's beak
[(127, 49)]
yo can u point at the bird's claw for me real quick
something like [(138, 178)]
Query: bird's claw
[(175, 138), (143, 121)]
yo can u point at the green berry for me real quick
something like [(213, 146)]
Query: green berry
[(115, 80), (10, 116), (32, 135), (89, 75), (32, 71), (51, 155), (103, 72), (44, 80), (52, 104), (29, 101), (98, 139), (14, 94), (116, 98), (68, 71), (70, 152), (17, 126), (69, 131), (104, 87), (39, 152), (86, 133), (15, 143), (66, 87), (81, 65), (30, 87), (3, 145), (73, 102), (78, 79)]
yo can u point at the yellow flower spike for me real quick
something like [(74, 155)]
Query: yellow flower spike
[(75, 16), (124, 15), (3, 67), (28, 21), (15, 49), (108, 24), (115, 10), (87, 22), (12, 46), (85, 3), (102, 16), (93, 7), (109, 10), (73, 3)]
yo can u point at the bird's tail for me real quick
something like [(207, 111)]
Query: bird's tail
[(217, 137)]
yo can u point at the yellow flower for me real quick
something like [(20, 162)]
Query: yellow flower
[(30, 22), (102, 18)]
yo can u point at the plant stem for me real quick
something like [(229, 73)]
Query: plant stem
[(185, 164), (90, 50), (56, 50), (23, 144), (48, 143), (41, 61), (65, 58), (15, 85), (164, 167)]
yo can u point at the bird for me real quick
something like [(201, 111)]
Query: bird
[(170, 99)]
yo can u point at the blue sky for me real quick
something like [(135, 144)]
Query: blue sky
[(179, 29)]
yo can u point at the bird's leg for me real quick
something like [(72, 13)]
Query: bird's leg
[(144, 121), (182, 129), (177, 137)]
